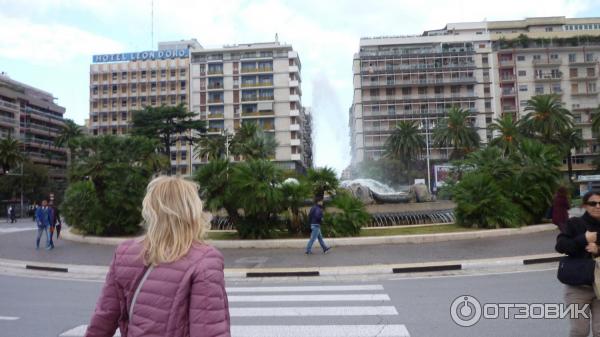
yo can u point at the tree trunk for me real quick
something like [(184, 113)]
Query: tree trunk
[(570, 167)]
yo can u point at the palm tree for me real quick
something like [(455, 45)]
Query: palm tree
[(508, 133), (68, 133), (547, 118), (596, 119), (405, 143), (323, 180), (570, 139), (212, 147), (215, 187), (456, 131), (253, 143), (10, 154)]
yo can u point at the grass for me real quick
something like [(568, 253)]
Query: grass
[(450, 228)]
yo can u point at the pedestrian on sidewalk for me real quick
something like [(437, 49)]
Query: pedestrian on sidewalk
[(55, 218), (169, 282), (560, 208), (315, 217), (580, 240), (42, 219), (13, 214)]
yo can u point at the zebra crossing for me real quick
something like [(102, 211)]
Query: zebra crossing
[(8, 230), (336, 305)]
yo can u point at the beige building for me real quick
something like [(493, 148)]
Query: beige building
[(483, 67), (31, 116), (258, 83), (122, 83)]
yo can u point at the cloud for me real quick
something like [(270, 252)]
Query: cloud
[(50, 44)]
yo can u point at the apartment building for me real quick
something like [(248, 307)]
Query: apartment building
[(31, 116), (489, 68), (126, 82), (253, 83)]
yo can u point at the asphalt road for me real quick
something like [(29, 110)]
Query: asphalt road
[(390, 306)]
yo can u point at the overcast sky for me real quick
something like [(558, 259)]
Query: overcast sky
[(49, 43)]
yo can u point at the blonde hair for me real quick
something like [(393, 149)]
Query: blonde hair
[(172, 211)]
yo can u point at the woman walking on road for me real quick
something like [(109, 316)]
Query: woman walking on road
[(169, 283), (580, 240)]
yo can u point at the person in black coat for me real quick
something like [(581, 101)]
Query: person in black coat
[(580, 239)]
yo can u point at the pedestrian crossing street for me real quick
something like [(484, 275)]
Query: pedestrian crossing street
[(335, 305)]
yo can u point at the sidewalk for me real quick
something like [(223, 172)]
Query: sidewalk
[(20, 246)]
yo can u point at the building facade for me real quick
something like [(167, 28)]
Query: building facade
[(126, 82), (488, 68), (31, 116), (253, 83)]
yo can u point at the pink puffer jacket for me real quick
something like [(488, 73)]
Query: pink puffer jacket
[(178, 299)]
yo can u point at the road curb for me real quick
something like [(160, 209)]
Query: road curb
[(338, 242), (99, 272)]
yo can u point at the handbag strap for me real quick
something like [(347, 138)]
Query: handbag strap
[(137, 291)]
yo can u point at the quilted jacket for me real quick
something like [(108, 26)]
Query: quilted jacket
[(179, 299)]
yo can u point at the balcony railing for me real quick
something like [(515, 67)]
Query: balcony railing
[(547, 63), (215, 115), (257, 70), (215, 100), (260, 84), (257, 98)]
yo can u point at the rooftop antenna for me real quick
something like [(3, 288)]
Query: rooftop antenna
[(276, 37)]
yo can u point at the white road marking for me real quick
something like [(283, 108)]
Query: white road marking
[(8, 318), (7, 230), (397, 330), (309, 298), (80, 332), (313, 311), (302, 289)]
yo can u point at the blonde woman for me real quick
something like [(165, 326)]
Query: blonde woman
[(169, 283)]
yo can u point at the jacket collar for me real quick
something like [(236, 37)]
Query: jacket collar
[(590, 220)]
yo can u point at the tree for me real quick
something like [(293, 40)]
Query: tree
[(457, 131), (596, 120), (253, 143), (508, 134), (167, 124), (213, 147), (295, 192), (547, 118), (108, 178), (322, 180), (570, 139), (10, 154), (256, 185), (68, 133), (214, 179), (405, 143)]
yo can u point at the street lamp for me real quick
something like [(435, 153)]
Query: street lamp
[(428, 154), (7, 173)]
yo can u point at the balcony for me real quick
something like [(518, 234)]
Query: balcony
[(548, 78), (258, 84), (214, 87), (294, 69), (295, 112), (8, 105), (296, 156), (215, 101), (294, 127), (507, 63), (257, 113), (507, 78), (294, 83), (546, 63), (257, 70), (215, 115), (295, 142), (508, 92), (294, 98), (588, 62), (584, 93), (8, 121)]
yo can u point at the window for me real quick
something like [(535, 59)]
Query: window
[(537, 57), (572, 57), (589, 57), (523, 102), (406, 91), (591, 72), (153, 74), (374, 92), (539, 89), (143, 74), (554, 56), (484, 59), (114, 76), (523, 87), (123, 75), (422, 90), (521, 58), (522, 73), (391, 109), (548, 29), (488, 104), (390, 91), (439, 90), (573, 72)]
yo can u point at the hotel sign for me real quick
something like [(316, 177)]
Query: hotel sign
[(142, 56)]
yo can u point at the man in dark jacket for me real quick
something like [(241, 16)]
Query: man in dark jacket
[(315, 217)]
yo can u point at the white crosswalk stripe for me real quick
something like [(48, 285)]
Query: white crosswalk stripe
[(8, 230), (279, 300)]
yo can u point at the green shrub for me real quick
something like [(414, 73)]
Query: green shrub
[(352, 216)]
